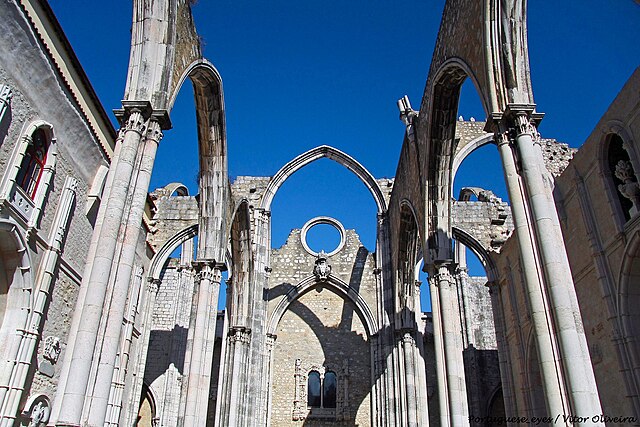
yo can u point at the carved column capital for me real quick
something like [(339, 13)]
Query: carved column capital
[(271, 341), (154, 131), (240, 334), (444, 275), (135, 123), (207, 270), (407, 336)]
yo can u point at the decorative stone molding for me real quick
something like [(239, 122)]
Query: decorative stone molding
[(629, 187)]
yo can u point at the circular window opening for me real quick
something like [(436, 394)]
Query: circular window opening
[(323, 237), (322, 234)]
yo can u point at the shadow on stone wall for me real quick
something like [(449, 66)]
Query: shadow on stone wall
[(166, 348)]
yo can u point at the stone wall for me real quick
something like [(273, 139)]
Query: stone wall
[(42, 92), (323, 330), (315, 330)]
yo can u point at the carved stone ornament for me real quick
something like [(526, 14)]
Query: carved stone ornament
[(37, 410), (629, 187), (322, 269), (52, 349)]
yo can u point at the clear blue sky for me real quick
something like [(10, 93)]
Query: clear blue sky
[(300, 74)]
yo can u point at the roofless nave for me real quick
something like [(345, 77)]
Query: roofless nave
[(132, 336)]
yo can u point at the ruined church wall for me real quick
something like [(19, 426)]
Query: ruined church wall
[(596, 240), (323, 329)]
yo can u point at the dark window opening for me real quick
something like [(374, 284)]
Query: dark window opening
[(322, 392), (314, 398), (329, 390), (33, 163)]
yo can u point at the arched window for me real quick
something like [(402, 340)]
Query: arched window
[(33, 163), (314, 398), (329, 388), (28, 175)]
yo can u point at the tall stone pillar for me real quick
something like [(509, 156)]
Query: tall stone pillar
[(438, 346), (269, 345), (122, 359), (147, 304), (546, 346), (410, 377), (95, 282), (456, 389), (98, 397), (549, 244), (235, 395), (204, 333)]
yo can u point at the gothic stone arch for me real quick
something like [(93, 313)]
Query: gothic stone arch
[(315, 154)]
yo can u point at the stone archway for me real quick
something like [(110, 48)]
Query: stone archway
[(324, 151)]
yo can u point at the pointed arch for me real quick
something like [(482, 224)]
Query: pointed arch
[(334, 284), (160, 258), (212, 146), (324, 151), (480, 251)]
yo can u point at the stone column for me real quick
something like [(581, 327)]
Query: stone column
[(270, 344), (118, 381), (579, 376), (235, 394), (462, 279), (9, 405), (204, 334), (548, 358), (98, 397), (257, 390), (147, 303), (408, 345), (452, 344), (90, 313), (438, 347)]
